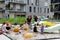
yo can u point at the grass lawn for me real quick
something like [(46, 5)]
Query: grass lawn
[(19, 20)]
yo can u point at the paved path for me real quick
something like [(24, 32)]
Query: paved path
[(36, 36)]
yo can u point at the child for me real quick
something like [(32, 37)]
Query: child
[(42, 29), (4, 27), (35, 28), (8, 28)]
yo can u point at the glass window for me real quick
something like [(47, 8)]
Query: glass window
[(44, 10), (36, 2), (40, 10), (34, 9), (47, 10), (28, 2), (14, 6), (30, 9), (7, 0)]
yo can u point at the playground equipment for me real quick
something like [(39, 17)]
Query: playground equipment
[(49, 26)]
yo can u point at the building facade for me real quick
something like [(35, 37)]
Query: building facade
[(13, 8), (55, 7), (39, 8)]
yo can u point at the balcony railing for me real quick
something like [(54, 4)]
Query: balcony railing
[(55, 1), (15, 1), (56, 11), (15, 10), (1, 0)]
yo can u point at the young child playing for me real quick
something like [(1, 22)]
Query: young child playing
[(42, 28), (35, 28)]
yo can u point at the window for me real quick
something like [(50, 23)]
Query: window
[(47, 10), (44, 10), (32, 2), (36, 2), (34, 9), (7, 0), (21, 8), (28, 2), (40, 10), (46, 0), (30, 9), (14, 6)]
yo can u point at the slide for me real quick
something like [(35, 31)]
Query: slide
[(52, 29), (3, 37)]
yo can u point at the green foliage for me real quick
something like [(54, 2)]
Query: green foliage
[(13, 20), (19, 20)]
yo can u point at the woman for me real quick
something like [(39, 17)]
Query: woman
[(29, 20), (35, 18)]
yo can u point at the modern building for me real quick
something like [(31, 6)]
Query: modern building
[(55, 7), (13, 8)]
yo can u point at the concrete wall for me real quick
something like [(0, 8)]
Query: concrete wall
[(17, 6), (20, 13), (11, 5), (1, 14), (11, 15)]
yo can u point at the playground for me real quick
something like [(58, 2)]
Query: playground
[(51, 30)]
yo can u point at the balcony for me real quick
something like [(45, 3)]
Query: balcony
[(57, 12), (1, 6), (16, 10), (1, 9), (1, 0), (55, 1), (18, 2)]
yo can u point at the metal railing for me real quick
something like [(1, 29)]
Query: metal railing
[(15, 10), (15, 1), (1, 0)]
